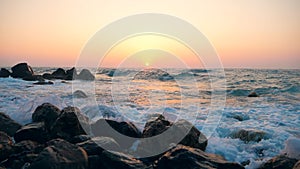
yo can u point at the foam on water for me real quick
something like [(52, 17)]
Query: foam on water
[(275, 112)]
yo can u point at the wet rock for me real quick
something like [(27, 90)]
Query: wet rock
[(111, 159), (279, 162), (124, 128), (48, 76), (249, 135), (44, 83), (191, 158), (71, 74), (238, 115), (4, 73), (46, 113), (96, 145), (79, 94), (8, 125), (34, 78), (21, 70), (253, 94), (70, 123), (20, 161), (80, 138), (27, 146), (156, 126), (5, 146), (85, 74), (297, 165), (60, 154), (34, 132), (59, 73)]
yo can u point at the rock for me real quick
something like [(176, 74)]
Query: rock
[(96, 145), (238, 115), (80, 138), (60, 154), (43, 83), (79, 94), (4, 72), (292, 148), (253, 94), (70, 123), (124, 128), (20, 161), (8, 125), (48, 76), (192, 158), (34, 132), (21, 70), (297, 165), (59, 73), (85, 74), (111, 159), (5, 146), (27, 146), (249, 135), (156, 126), (46, 113), (34, 78), (71, 74), (279, 162)]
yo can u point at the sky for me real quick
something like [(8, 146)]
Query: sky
[(244, 33)]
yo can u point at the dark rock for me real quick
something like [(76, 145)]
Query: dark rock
[(48, 76), (192, 158), (124, 128), (111, 159), (59, 73), (85, 74), (27, 146), (46, 113), (8, 125), (21, 70), (34, 78), (79, 94), (94, 162), (96, 145), (156, 126), (43, 83), (34, 132), (5, 146), (80, 138), (4, 72), (20, 161), (70, 123), (297, 165), (71, 74), (253, 94), (279, 162), (249, 135), (60, 154)]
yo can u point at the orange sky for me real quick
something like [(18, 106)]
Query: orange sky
[(245, 33)]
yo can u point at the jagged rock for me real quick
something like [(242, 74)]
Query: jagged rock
[(71, 74), (85, 74), (8, 125), (79, 94), (192, 158), (124, 128), (279, 162), (21, 70), (253, 94), (249, 135), (96, 145), (60, 154), (70, 123), (59, 74), (46, 113), (34, 132), (4, 72)]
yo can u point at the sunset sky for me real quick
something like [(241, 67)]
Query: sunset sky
[(245, 33)]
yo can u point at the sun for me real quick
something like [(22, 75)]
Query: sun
[(147, 64)]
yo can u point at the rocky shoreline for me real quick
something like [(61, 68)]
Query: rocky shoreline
[(62, 139)]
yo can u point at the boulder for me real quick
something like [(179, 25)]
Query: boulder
[(80, 138), (79, 94), (192, 158), (253, 94), (249, 135), (156, 126), (44, 83), (8, 125), (279, 162), (5, 146), (292, 148), (46, 113), (4, 72), (34, 132), (21, 70), (85, 74), (59, 74), (48, 76), (27, 146), (60, 154), (111, 159), (124, 128), (71, 122), (33, 78), (96, 145), (20, 161), (297, 165), (71, 74)]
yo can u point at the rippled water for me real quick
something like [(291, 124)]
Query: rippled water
[(134, 95)]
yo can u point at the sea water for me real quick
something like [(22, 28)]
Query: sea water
[(135, 95)]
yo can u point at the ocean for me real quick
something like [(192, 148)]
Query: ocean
[(134, 95)]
